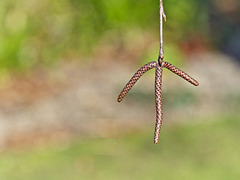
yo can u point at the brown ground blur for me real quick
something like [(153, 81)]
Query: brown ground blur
[(80, 100)]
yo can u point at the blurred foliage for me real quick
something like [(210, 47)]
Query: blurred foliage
[(206, 150), (41, 32)]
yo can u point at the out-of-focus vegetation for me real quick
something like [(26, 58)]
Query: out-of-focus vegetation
[(42, 33), (208, 150), (36, 33)]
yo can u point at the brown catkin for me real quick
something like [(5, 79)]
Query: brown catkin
[(134, 79), (158, 99), (180, 73)]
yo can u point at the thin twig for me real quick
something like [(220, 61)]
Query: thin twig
[(161, 13)]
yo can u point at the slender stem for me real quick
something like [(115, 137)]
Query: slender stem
[(161, 13)]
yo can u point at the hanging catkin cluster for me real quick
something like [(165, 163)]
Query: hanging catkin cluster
[(158, 65)]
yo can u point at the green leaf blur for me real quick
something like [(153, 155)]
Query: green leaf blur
[(36, 33)]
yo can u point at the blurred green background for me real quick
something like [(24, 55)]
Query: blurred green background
[(63, 63), (41, 33)]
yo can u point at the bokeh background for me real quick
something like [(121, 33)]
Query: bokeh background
[(63, 63)]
